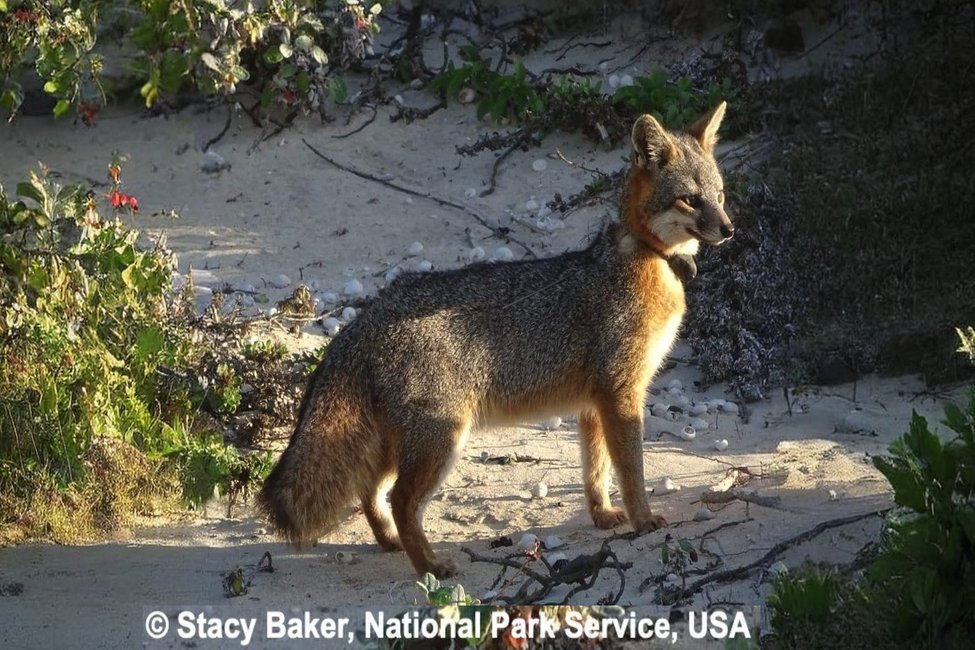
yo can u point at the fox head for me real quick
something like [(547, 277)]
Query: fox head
[(674, 197)]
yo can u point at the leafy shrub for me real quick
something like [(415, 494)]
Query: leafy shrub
[(287, 50), (98, 386), (920, 588), (929, 563)]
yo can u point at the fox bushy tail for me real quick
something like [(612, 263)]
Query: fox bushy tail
[(326, 465)]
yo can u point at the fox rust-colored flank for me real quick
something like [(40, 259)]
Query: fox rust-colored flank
[(440, 355)]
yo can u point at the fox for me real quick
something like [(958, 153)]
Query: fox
[(438, 356)]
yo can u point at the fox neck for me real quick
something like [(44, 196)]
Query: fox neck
[(639, 188)]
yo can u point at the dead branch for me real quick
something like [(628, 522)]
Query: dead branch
[(716, 497), (766, 560), (582, 571), (497, 231)]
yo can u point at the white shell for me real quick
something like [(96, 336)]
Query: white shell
[(832, 495), (552, 558), (688, 433), (539, 490), (659, 409), (502, 254), (669, 486), (392, 273), (330, 296), (778, 568), (539, 165), (466, 95), (349, 313), (675, 383), (528, 541), (416, 248), (353, 288), (531, 205), (424, 265), (345, 557), (697, 410), (721, 445), (729, 407), (699, 424), (552, 542), (279, 281), (331, 326), (672, 577), (626, 80), (553, 422), (470, 193), (682, 402), (476, 254), (614, 81), (703, 515)]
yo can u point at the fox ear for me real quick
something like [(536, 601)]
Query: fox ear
[(652, 146), (705, 129)]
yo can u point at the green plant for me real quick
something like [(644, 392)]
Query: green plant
[(928, 565), (804, 599), (967, 338), (56, 38), (288, 51), (98, 368), (503, 97)]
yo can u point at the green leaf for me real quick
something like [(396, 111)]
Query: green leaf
[(61, 107), (338, 90), (285, 50), (50, 87), (273, 55), (210, 61), (30, 191), (3, 5), (319, 55)]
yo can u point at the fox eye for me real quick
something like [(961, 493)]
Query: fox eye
[(693, 200), (721, 197)]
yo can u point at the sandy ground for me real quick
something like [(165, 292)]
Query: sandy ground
[(281, 211)]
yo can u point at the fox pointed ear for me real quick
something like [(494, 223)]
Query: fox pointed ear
[(705, 129), (652, 146)]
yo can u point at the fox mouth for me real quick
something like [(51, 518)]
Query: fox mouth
[(711, 241)]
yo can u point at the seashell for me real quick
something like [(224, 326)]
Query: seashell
[(539, 165), (539, 490), (466, 95), (699, 424), (331, 326), (721, 445), (659, 409), (424, 266), (688, 433), (349, 313), (697, 410), (669, 486), (553, 422), (416, 248), (528, 541), (502, 254), (703, 515), (729, 407), (353, 288)]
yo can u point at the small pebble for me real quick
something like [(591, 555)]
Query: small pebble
[(669, 486), (539, 165), (348, 314), (330, 296), (614, 81), (729, 407), (470, 193), (672, 577), (392, 274), (213, 162), (698, 409), (476, 254), (552, 542), (424, 266), (280, 281), (703, 515), (416, 248), (682, 402), (531, 205), (489, 596), (675, 383), (331, 326), (345, 557), (832, 495), (353, 288), (688, 433), (502, 254), (539, 490), (699, 424), (778, 568), (553, 423), (626, 80), (528, 541), (721, 445), (659, 409)]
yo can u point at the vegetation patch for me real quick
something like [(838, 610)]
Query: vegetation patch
[(116, 399)]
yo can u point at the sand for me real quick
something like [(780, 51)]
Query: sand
[(280, 210)]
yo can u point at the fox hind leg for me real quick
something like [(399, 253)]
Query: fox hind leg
[(429, 449), (595, 472), (379, 515)]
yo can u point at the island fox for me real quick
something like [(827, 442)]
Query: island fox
[(439, 355)]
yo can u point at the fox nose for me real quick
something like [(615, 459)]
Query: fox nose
[(727, 230)]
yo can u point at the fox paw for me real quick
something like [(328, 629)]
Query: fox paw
[(390, 544), (443, 568), (648, 523), (608, 517)]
